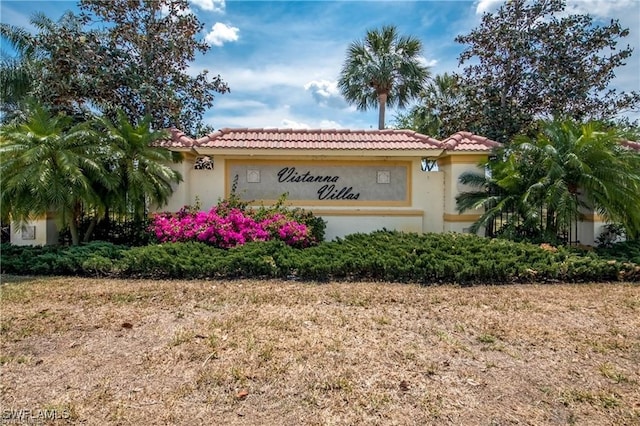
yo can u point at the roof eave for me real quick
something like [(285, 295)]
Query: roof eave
[(267, 152)]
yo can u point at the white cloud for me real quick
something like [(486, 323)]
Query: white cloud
[(326, 93), (599, 8), (602, 8), (221, 33), (330, 124), (212, 5), (427, 63), (322, 124), (483, 6), (255, 74), (290, 124)]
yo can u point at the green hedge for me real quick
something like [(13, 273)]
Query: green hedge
[(378, 256), (627, 251), (94, 258)]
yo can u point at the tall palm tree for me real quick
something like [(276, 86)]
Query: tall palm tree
[(49, 165), (143, 173), (383, 69)]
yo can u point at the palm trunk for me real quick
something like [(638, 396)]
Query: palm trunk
[(382, 102), (73, 229), (90, 229), (73, 225)]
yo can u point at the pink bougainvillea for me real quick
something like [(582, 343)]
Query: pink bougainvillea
[(228, 227)]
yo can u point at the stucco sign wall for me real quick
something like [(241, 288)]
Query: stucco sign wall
[(318, 182)]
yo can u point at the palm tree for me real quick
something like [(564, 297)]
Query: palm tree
[(17, 73), (545, 181), (499, 196), (383, 69), (435, 114), (586, 166), (49, 165), (143, 173)]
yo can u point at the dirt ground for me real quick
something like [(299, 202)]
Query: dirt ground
[(99, 352)]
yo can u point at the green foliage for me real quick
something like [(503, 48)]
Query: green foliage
[(94, 258), (383, 69), (440, 109), (143, 175), (120, 54), (380, 256), (625, 251), (544, 182), (611, 234), (131, 233), (49, 164), (531, 59)]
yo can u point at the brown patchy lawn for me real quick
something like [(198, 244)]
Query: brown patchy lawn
[(246, 352)]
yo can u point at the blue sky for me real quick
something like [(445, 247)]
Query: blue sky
[(282, 58)]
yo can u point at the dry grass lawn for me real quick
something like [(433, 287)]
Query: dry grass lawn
[(245, 352)]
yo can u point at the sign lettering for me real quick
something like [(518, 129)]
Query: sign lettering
[(318, 182)]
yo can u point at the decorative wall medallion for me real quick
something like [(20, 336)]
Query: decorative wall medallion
[(29, 233), (253, 176), (384, 176)]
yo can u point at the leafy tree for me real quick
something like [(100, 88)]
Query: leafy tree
[(545, 181), (128, 55), (529, 60), (383, 69), (53, 65), (49, 165)]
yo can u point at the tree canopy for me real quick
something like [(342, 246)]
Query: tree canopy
[(530, 60), (119, 55), (440, 108), (383, 69), (545, 183), (527, 61)]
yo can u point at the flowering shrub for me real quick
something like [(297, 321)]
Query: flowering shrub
[(226, 226)]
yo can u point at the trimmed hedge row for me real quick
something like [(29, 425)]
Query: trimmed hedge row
[(627, 251), (379, 256)]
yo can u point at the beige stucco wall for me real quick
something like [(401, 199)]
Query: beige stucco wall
[(45, 233), (422, 213), (429, 197), (339, 226), (454, 166)]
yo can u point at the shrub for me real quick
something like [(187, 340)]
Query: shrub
[(87, 259), (231, 223), (120, 232), (625, 251), (378, 256)]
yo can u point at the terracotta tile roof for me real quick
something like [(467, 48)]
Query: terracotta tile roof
[(341, 139), (178, 140), (633, 145), (466, 141), (317, 139)]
